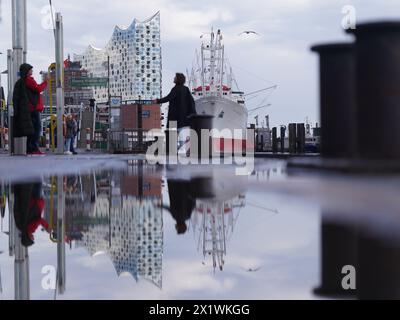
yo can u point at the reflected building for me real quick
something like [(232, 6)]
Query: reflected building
[(130, 231)]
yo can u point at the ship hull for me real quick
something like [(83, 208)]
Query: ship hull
[(229, 123)]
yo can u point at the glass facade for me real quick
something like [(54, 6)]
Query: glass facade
[(135, 62)]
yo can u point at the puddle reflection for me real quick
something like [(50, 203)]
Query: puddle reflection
[(120, 215), (185, 234)]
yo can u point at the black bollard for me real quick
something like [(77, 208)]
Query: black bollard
[(378, 96), (171, 145), (282, 138), (274, 140), (337, 100), (199, 122), (300, 138), (292, 138)]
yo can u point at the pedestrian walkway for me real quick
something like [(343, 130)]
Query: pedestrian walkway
[(23, 167)]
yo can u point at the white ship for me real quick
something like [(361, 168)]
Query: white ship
[(211, 85)]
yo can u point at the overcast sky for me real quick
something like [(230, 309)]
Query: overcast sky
[(280, 55)]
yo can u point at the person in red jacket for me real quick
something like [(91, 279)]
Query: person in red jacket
[(29, 209), (36, 106)]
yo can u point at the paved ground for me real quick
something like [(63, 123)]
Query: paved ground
[(23, 168)]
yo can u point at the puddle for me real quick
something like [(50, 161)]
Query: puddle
[(181, 232)]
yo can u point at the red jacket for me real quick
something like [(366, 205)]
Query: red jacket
[(32, 85), (39, 203)]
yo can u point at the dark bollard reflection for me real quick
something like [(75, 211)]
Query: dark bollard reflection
[(379, 267), (339, 248), (359, 261)]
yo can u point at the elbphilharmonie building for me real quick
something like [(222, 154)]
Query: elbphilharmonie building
[(132, 59)]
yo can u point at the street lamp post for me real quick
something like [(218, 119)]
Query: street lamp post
[(19, 41), (2, 106), (1, 110), (10, 107), (60, 81)]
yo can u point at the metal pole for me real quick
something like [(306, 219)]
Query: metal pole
[(10, 108), (140, 124), (109, 105), (11, 222), (21, 258), (1, 113), (59, 81), (18, 41), (21, 269), (61, 271), (25, 51), (108, 74)]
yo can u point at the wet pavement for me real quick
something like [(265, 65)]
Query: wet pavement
[(116, 227)]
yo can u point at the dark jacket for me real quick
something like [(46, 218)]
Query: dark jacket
[(23, 126), (71, 128), (28, 210), (181, 204), (181, 105)]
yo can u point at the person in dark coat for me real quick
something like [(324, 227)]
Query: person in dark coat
[(27, 100), (181, 203), (75, 131), (23, 125), (28, 210), (181, 103)]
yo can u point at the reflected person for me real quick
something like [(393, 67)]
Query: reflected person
[(28, 210), (181, 203)]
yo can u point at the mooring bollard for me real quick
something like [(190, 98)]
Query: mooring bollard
[(282, 138), (338, 249), (47, 139), (171, 145), (274, 140), (378, 96), (292, 138), (20, 146), (300, 138), (88, 139), (201, 149), (337, 100), (6, 147)]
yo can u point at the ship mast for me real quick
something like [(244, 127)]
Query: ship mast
[(212, 60)]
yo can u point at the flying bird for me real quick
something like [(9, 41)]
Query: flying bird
[(251, 269), (249, 32)]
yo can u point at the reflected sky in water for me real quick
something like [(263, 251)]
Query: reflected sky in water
[(148, 232)]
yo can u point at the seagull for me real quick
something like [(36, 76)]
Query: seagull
[(251, 269), (249, 32)]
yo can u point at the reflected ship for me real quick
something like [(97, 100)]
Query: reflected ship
[(213, 204)]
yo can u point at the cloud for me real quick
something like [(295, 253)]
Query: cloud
[(280, 55)]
